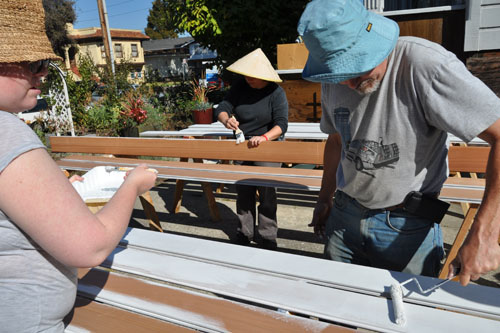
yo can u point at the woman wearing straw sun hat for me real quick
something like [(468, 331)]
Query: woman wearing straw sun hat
[(46, 230), (258, 107)]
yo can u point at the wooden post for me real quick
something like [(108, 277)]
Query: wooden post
[(106, 36)]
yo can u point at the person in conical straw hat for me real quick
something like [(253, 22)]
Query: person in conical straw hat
[(47, 231), (258, 107)]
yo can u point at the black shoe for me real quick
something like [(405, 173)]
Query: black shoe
[(241, 239), (269, 245)]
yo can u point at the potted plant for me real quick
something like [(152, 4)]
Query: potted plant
[(132, 114), (199, 105)]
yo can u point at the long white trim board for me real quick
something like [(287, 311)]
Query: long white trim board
[(343, 293)]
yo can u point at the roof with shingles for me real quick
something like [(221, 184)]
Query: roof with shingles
[(115, 34), (166, 44)]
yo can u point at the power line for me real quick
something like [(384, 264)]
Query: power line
[(120, 3), (116, 4), (120, 14), (133, 11)]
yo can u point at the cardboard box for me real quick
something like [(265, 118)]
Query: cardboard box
[(292, 56)]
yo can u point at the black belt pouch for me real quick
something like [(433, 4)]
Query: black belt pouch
[(426, 206)]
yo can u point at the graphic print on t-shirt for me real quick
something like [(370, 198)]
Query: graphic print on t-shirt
[(365, 154)]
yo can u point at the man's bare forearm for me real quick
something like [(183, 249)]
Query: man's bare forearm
[(331, 161)]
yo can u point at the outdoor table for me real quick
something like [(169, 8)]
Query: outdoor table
[(297, 131)]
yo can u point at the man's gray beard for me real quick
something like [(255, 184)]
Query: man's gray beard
[(368, 86)]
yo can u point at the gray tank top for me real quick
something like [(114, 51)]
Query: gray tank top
[(36, 291)]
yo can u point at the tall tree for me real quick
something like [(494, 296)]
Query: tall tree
[(57, 14), (237, 27), (160, 21)]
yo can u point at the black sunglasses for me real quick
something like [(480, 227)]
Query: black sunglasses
[(38, 66)]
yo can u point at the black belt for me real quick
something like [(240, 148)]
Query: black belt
[(402, 204), (391, 208)]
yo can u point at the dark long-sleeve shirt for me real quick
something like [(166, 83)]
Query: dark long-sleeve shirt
[(257, 110)]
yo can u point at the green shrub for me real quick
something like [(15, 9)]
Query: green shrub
[(103, 120), (157, 119)]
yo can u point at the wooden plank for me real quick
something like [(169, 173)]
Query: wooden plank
[(457, 194), (468, 159), (471, 35), (190, 308), (490, 16), (454, 189), (212, 134), (300, 96), (441, 25), (150, 212), (489, 39), (259, 177), (90, 316), (295, 130), (284, 151), (490, 2), (291, 125), (315, 271), (459, 239), (350, 294), (430, 28)]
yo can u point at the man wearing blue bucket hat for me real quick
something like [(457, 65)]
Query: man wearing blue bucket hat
[(388, 103)]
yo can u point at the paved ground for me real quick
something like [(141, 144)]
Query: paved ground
[(294, 213)]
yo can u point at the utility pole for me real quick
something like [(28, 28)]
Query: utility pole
[(106, 36)]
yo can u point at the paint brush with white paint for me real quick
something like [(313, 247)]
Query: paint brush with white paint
[(240, 137)]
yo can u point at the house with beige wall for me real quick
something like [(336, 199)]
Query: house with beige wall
[(126, 43)]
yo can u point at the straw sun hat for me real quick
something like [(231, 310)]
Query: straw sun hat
[(22, 32), (255, 64)]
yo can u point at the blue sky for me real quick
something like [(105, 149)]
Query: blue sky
[(122, 14)]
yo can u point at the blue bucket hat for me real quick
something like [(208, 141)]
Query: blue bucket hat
[(344, 39)]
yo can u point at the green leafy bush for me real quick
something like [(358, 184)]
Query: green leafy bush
[(103, 120)]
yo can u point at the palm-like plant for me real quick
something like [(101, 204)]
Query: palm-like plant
[(200, 93)]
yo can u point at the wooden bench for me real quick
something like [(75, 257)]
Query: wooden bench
[(461, 159), (471, 160), (208, 286), (184, 149)]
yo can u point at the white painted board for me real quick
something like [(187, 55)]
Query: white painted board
[(349, 294)]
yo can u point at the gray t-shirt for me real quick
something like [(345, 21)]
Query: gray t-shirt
[(36, 291), (395, 140)]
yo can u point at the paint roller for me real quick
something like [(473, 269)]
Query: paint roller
[(240, 137), (397, 296)]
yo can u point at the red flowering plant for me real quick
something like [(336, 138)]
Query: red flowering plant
[(133, 112)]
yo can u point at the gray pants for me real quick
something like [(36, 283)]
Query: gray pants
[(267, 227)]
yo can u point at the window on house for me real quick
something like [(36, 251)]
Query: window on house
[(103, 51), (118, 51), (139, 74), (132, 75), (135, 51)]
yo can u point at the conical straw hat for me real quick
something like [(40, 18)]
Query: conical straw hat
[(22, 32), (255, 64)]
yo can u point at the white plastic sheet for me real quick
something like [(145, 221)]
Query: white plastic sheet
[(99, 184)]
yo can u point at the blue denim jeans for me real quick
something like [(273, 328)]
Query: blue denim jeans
[(394, 240)]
